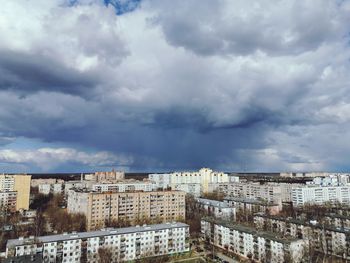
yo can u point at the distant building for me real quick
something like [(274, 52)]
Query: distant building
[(270, 193), (20, 184), (55, 188), (124, 244), (125, 186), (37, 182), (99, 207), (195, 183), (320, 195), (112, 176)]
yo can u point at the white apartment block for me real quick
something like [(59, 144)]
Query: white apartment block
[(193, 189), (270, 193), (320, 195), (36, 182), (247, 242), (217, 209), (54, 188), (331, 180), (127, 186), (205, 178), (125, 244)]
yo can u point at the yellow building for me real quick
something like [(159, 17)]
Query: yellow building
[(20, 184)]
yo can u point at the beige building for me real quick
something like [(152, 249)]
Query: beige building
[(112, 176), (20, 184), (101, 207)]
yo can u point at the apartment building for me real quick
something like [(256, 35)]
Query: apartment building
[(336, 179), (217, 209), (112, 176), (19, 184), (124, 244), (125, 186), (260, 246), (269, 193), (329, 240), (320, 195), (8, 201), (99, 207), (55, 188), (336, 220), (251, 206), (203, 181), (37, 182)]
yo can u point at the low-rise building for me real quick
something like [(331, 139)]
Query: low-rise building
[(123, 244), (323, 238), (260, 246), (101, 207), (217, 209), (253, 205), (54, 188)]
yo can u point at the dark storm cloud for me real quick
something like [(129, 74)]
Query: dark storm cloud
[(34, 72), (177, 85)]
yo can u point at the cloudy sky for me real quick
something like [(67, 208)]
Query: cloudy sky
[(158, 85)]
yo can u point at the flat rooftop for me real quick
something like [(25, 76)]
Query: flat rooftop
[(98, 233)]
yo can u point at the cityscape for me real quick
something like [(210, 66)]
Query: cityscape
[(174, 131), (200, 216)]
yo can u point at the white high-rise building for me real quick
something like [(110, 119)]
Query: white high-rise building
[(203, 181)]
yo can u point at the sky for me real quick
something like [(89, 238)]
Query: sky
[(163, 85)]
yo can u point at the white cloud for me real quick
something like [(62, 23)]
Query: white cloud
[(49, 158)]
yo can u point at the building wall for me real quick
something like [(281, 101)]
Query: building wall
[(320, 195), (125, 244), (250, 243), (205, 178), (22, 186), (101, 207), (8, 200)]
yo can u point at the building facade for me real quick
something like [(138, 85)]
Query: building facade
[(217, 209), (8, 201), (203, 181), (269, 193), (20, 184), (102, 207), (124, 244), (253, 205), (320, 195), (247, 242), (126, 186)]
